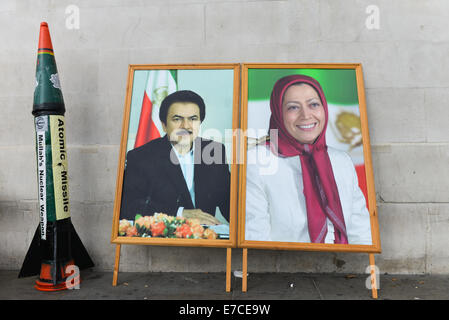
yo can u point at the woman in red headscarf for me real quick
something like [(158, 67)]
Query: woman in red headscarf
[(298, 188)]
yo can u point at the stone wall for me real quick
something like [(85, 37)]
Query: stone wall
[(405, 64)]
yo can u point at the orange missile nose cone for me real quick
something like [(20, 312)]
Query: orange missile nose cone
[(44, 37)]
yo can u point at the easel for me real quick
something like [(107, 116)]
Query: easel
[(221, 243), (228, 267), (371, 262), (244, 145)]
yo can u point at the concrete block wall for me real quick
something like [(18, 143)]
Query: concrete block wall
[(405, 65)]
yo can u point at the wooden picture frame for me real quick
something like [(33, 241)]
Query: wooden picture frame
[(200, 79), (273, 72)]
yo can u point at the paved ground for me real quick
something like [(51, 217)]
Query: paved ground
[(211, 286)]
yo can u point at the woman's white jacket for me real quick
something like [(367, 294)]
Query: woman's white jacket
[(275, 203)]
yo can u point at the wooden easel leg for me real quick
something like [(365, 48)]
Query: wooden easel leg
[(116, 265), (228, 269), (245, 270), (373, 275)]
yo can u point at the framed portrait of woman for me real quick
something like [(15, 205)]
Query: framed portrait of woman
[(306, 178), (177, 179)]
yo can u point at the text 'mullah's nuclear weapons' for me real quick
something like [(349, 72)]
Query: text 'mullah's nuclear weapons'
[(56, 251)]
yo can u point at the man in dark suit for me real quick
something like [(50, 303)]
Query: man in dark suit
[(179, 174)]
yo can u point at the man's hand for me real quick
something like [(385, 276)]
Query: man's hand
[(203, 217)]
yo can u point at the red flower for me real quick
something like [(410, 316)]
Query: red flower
[(184, 231), (131, 232), (157, 229)]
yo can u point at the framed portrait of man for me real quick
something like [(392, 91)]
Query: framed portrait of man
[(306, 179), (177, 178)]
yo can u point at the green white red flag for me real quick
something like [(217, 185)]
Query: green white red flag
[(340, 88), (160, 83)]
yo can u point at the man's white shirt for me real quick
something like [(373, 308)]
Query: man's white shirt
[(186, 163)]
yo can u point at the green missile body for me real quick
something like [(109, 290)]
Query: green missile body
[(56, 243)]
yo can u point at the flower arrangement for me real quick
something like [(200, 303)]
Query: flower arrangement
[(165, 226)]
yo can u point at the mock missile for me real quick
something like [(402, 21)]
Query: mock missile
[(56, 251)]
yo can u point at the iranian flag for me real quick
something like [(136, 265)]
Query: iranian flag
[(340, 89), (160, 83)]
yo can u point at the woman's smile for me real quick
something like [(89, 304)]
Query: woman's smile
[(307, 127)]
